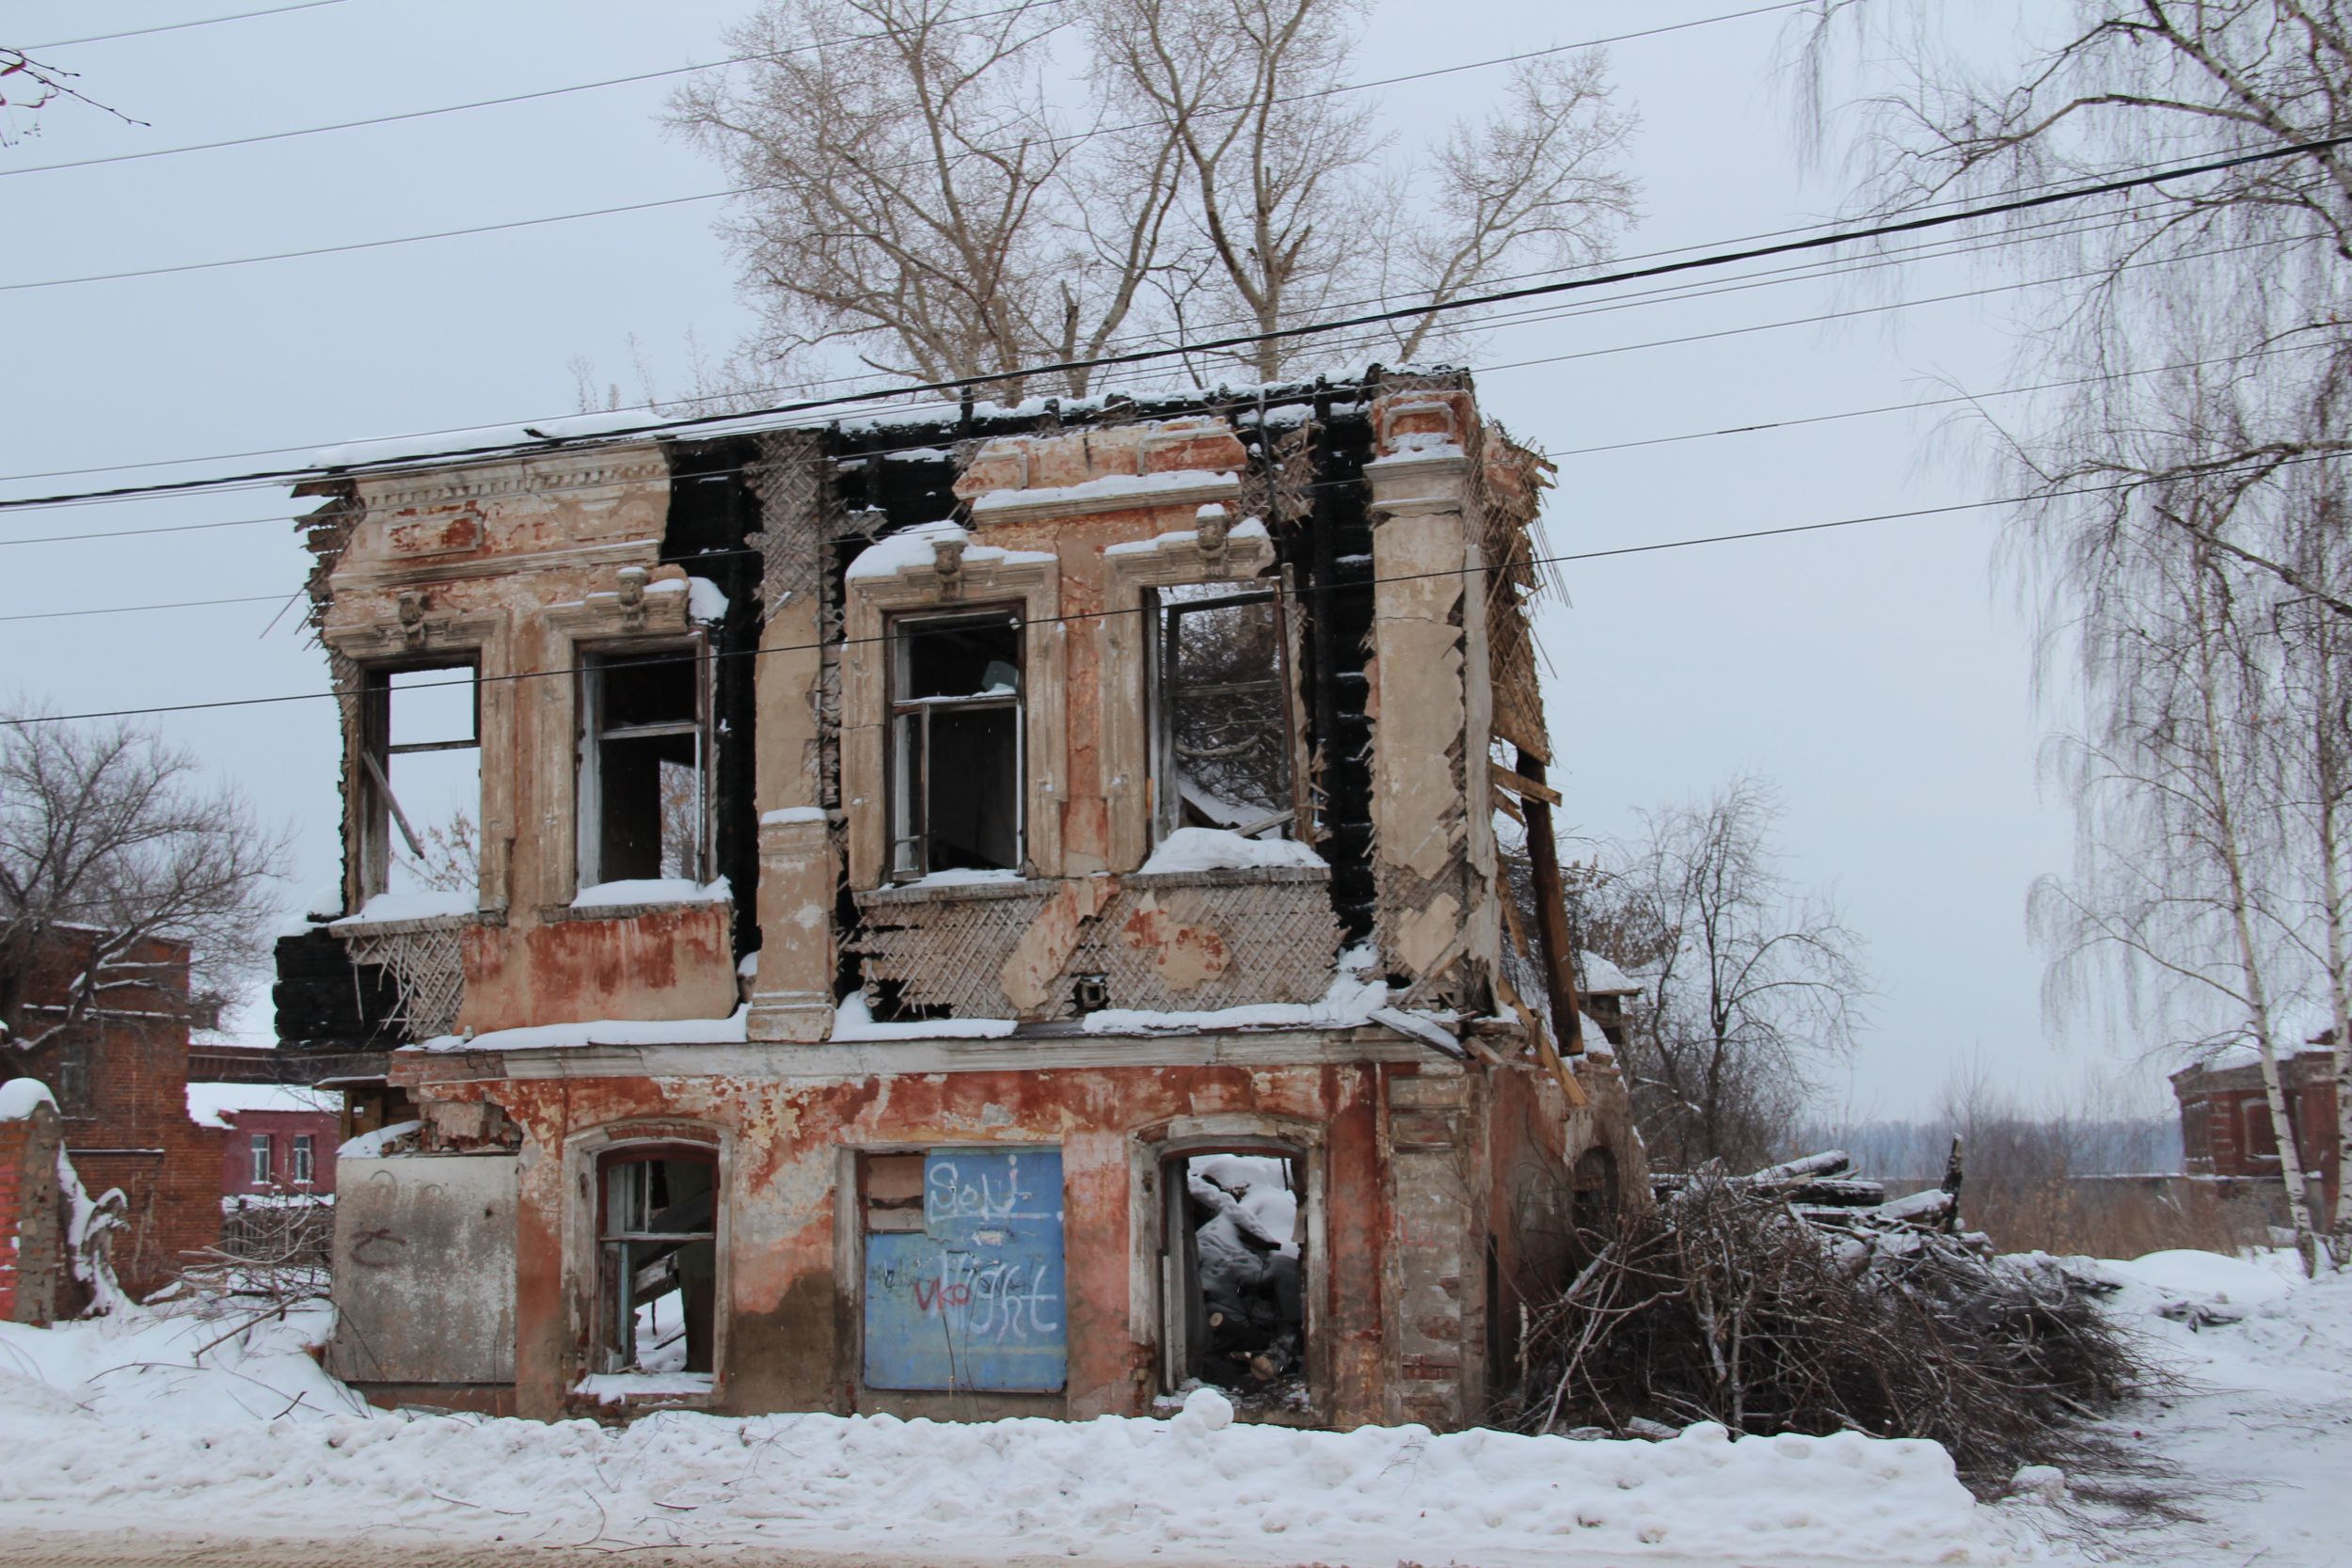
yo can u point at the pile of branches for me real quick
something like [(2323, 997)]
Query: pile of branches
[(1748, 1301)]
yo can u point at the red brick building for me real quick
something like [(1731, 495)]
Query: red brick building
[(120, 1081), (282, 1137), (2225, 1127)]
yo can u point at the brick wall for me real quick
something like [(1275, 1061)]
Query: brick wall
[(31, 1258), (128, 1124)]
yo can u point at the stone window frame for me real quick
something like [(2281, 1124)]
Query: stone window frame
[(631, 618), (1032, 589), (411, 636), (895, 831), (584, 1157), (1127, 637), (1150, 1149)]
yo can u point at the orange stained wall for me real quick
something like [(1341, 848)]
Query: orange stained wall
[(790, 1337)]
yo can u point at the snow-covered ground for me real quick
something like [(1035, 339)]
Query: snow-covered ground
[(2261, 1430), (110, 1425)]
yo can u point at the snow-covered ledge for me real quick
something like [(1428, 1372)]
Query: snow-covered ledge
[(392, 914), (626, 900)]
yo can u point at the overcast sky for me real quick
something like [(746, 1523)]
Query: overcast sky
[(1879, 674)]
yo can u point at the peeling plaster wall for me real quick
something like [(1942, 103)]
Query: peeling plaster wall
[(791, 1308)]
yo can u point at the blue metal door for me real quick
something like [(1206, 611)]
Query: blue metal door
[(973, 1302)]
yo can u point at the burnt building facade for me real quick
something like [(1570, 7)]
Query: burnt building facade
[(977, 914)]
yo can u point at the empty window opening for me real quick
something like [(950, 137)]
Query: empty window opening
[(644, 767), (261, 1172), (658, 1276), (1221, 719), (1235, 1260), (302, 1166), (420, 779), (955, 744)]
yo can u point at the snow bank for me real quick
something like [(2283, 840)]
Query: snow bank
[(432, 904), (2185, 1272), (652, 889), (1215, 849), (612, 1031), (106, 1426), (211, 1104)]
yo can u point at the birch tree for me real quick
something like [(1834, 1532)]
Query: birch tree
[(108, 842), (2186, 535), (920, 198)]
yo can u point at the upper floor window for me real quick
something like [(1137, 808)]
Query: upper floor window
[(420, 783), (1221, 711), (643, 765), (302, 1166), (260, 1148), (955, 743)]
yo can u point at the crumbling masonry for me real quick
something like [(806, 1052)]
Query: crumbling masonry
[(973, 914)]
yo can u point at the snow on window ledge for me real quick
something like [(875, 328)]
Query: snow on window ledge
[(631, 1388), (637, 896), (396, 908)]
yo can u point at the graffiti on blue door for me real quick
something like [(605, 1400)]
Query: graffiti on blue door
[(972, 1302)]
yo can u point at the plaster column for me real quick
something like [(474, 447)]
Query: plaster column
[(1433, 835), (792, 990)]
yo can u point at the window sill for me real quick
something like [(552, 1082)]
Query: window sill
[(358, 925), (716, 895), (957, 892)]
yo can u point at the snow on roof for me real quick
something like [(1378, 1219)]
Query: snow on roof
[(1110, 488), (1602, 976), (212, 1104), (20, 1097)]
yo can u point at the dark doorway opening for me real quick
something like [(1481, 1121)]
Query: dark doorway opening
[(1235, 1245)]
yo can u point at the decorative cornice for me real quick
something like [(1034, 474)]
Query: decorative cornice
[(529, 478)]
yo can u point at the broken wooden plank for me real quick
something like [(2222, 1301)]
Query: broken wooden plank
[(1523, 787)]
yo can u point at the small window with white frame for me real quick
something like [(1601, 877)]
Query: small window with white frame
[(955, 748), (1221, 720), (643, 765), (259, 1148), (302, 1162)]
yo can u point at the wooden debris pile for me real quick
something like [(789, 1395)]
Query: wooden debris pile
[(1800, 1299)]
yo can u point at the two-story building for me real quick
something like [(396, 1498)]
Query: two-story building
[(960, 913)]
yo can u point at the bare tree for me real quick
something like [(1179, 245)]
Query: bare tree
[(108, 844), (27, 86), (1748, 984), (915, 199), (2186, 530)]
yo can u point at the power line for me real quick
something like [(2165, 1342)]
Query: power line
[(1799, 273), (182, 27), (1071, 139), (477, 104), (1286, 334), (138, 608), (1666, 296), (1757, 427), (1362, 587)]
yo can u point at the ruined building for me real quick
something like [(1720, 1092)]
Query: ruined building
[(959, 914)]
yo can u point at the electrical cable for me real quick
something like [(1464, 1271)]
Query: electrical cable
[(747, 419), (1671, 294), (1160, 354), (179, 27), (1933, 251), (478, 104), (1312, 590)]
